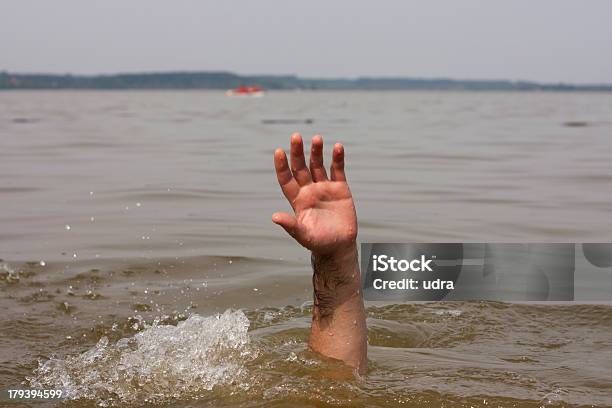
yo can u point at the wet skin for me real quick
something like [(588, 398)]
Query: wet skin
[(325, 222)]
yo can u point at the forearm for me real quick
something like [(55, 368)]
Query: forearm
[(338, 317)]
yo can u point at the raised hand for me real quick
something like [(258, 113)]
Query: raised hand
[(324, 220)]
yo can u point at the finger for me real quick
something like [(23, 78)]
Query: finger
[(288, 184), (298, 164), (337, 166), (287, 221), (316, 160)]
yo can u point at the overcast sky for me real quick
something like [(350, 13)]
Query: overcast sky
[(543, 40)]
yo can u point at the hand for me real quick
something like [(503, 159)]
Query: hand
[(325, 221)]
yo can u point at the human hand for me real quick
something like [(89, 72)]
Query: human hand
[(325, 221)]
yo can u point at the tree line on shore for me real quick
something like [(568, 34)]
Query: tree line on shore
[(228, 80)]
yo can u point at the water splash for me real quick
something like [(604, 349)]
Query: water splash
[(160, 363), (450, 312), (7, 273)]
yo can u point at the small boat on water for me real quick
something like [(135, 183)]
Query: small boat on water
[(245, 91)]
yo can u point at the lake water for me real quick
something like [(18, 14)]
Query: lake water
[(128, 220)]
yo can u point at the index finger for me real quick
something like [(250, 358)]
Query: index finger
[(285, 178)]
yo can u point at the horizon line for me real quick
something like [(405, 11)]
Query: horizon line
[(300, 77)]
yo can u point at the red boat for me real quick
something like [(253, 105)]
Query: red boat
[(246, 91)]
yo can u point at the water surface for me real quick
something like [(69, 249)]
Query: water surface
[(130, 219)]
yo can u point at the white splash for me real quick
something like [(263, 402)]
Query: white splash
[(7, 273), (450, 312), (160, 363)]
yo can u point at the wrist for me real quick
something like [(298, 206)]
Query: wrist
[(340, 255), (336, 280), (335, 269)]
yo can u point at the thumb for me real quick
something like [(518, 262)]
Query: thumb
[(287, 221)]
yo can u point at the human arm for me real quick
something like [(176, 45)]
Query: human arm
[(325, 222)]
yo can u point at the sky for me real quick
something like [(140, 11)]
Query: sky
[(540, 40)]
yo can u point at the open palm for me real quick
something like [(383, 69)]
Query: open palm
[(324, 219)]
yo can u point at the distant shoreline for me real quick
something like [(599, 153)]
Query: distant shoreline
[(228, 80)]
